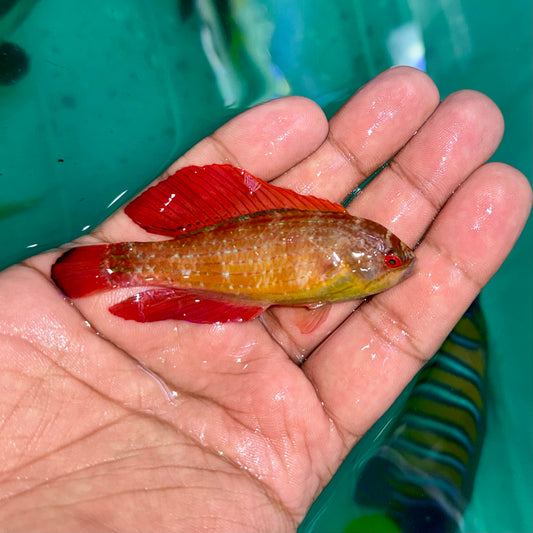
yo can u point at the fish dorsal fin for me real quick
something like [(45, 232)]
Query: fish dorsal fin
[(198, 197)]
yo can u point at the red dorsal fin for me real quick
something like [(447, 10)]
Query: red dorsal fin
[(197, 307), (197, 197)]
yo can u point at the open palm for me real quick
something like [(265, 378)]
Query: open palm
[(109, 424)]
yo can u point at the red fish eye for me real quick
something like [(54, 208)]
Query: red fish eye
[(393, 261)]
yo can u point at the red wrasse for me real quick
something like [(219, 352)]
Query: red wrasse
[(239, 245)]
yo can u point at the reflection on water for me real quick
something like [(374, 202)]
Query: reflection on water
[(236, 37), (406, 46)]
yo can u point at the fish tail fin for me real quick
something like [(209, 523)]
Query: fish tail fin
[(79, 271)]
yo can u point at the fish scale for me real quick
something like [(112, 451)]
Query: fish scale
[(275, 264)]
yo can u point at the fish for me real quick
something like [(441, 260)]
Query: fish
[(237, 246), (422, 474)]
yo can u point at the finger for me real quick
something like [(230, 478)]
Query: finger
[(367, 362), (365, 133), (460, 136), (462, 133), (266, 140)]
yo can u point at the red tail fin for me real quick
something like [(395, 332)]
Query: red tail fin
[(79, 272)]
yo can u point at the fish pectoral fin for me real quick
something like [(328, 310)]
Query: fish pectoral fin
[(198, 197), (311, 317), (198, 307)]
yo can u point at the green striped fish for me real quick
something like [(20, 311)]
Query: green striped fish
[(422, 475)]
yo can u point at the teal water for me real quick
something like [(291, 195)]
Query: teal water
[(117, 90)]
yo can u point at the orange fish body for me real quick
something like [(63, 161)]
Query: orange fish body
[(239, 245)]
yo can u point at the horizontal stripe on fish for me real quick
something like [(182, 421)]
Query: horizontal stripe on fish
[(450, 454), (442, 394), (441, 428), (425, 440)]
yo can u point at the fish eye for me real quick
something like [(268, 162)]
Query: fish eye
[(393, 261)]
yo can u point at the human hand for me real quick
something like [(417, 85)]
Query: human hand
[(113, 424)]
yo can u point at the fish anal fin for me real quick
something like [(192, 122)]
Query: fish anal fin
[(198, 197), (167, 303)]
